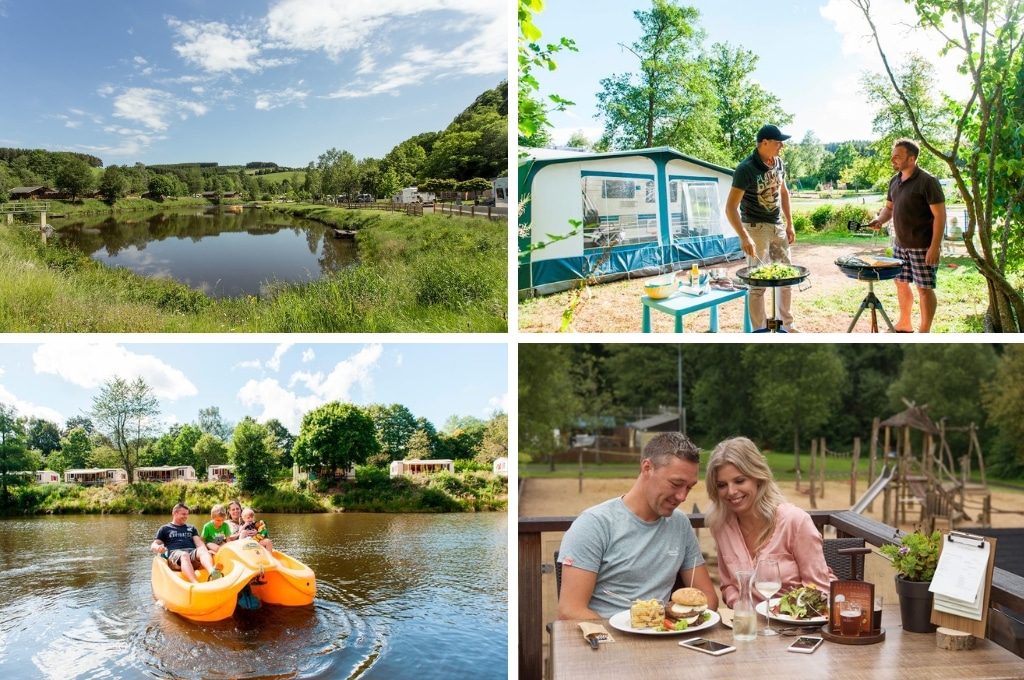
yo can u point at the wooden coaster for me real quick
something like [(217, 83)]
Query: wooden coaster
[(850, 640)]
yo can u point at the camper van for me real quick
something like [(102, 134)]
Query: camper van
[(412, 195)]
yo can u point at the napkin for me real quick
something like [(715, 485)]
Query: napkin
[(596, 629), (727, 616)]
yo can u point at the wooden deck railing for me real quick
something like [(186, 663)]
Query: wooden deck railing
[(1007, 588)]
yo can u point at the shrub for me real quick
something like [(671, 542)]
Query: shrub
[(854, 212), (802, 222), (821, 216)]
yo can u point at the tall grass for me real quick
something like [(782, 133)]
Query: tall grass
[(416, 274)]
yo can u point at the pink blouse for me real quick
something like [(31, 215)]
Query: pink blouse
[(795, 544)]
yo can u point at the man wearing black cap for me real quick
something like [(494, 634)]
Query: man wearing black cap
[(757, 204)]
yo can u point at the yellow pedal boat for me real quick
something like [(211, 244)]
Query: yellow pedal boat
[(278, 580)]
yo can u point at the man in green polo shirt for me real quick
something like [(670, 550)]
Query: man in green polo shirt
[(918, 211)]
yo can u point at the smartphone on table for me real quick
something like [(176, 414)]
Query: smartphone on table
[(805, 644), (707, 646)]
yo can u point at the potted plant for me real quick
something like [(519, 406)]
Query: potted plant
[(915, 558)]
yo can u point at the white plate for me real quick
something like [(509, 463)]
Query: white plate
[(621, 622), (762, 609)]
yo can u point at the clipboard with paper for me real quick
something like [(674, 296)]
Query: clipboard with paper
[(961, 584)]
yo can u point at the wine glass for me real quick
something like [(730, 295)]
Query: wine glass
[(767, 581)]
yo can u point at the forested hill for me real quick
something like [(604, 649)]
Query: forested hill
[(473, 148)]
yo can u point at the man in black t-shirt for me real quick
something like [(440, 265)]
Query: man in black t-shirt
[(918, 211), (757, 204), (184, 545)]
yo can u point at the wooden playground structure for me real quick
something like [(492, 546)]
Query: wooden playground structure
[(912, 467), (931, 480)]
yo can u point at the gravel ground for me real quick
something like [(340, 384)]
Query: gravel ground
[(828, 306)]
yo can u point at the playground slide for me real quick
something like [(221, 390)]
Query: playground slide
[(888, 472)]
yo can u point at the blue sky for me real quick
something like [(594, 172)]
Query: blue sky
[(58, 379), (234, 81), (812, 55)]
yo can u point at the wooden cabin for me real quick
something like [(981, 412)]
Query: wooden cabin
[(96, 476), (166, 473)]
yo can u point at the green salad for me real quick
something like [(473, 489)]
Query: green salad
[(775, 272), (806, 602)]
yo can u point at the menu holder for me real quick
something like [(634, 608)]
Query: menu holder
[(955, 569), (855, 591)]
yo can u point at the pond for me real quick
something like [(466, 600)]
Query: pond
[(397, 595), (218, 251)]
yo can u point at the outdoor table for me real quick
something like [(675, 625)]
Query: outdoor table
[(901, 655), (680, 304)]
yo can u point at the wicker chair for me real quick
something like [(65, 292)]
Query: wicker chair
[(846, 567)]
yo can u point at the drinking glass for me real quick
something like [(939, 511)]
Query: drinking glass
[(767, 581)]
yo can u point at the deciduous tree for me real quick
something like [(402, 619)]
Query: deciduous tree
[(250, 455), (127, 413), (335, 436)]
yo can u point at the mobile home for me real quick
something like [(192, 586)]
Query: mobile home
[(96, 476), (301, 474), (47, 477), (220, 473), (421, 467), (501, 466), (640, 213), (166, 473)]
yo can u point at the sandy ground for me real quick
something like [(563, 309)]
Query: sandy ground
[(562, 498), (615, 307)]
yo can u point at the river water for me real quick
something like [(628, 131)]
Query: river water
[(222, 253), (398, 596)]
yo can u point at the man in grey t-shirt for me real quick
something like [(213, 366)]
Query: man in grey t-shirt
[(635, 545)]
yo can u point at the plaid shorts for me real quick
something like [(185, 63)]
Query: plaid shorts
[(914, 268)]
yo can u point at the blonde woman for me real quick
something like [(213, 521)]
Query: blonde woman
[(751, 520)]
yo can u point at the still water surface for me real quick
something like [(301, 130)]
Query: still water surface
[(398, 596), (221, 253)]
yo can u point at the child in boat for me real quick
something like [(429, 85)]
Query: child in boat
[(217, 531), (255, 530)]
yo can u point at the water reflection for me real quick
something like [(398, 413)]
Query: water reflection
[(394, 593), (222, 253)]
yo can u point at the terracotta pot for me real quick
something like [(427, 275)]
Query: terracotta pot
[(915, 605)]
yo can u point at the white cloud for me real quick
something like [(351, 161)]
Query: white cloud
[(29, 409), (216, 47), (266, 101), (307, 356), (900, 37), (152, 107), (274, 363), (495, 404), (90, 365), (288, 405)]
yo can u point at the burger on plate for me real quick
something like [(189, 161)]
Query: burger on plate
[(688, 604)]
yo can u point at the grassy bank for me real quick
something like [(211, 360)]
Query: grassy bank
[(372, 492), (416, 274)]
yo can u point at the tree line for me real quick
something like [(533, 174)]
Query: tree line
[(782, 398), (472, 148), (122, 431)]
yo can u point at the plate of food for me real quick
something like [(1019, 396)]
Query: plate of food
[(804, 606), (687, 612)]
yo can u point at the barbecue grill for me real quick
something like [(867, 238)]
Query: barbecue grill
[(772, 324), (870, 269)]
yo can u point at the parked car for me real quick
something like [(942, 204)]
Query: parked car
[(486, 201), (364, 198)]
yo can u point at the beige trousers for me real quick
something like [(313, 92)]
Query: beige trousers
[(770, 245)]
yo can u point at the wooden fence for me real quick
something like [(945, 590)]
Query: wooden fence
[(489, 212)]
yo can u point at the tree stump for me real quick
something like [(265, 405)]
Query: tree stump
[(954, 640)]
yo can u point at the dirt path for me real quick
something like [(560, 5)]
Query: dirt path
[(615, 307)]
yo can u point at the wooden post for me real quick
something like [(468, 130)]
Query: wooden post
[(853, 470), (821, 454), (873, 460), (810, 473)]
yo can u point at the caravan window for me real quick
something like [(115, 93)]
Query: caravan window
[(618, 210), (694, 208)]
